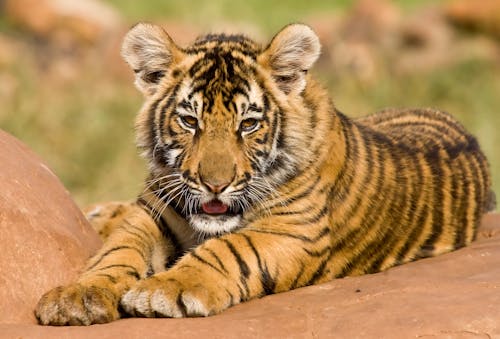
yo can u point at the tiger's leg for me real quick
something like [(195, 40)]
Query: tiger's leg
[(225, 271), (106, 217), (134, 249)]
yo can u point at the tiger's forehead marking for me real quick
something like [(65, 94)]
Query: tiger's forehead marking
[(222, 70), (225, 43)]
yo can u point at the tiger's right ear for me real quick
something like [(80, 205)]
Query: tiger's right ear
[(291, 53), (150, 52)]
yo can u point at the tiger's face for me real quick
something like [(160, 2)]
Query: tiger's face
[(221, 125)]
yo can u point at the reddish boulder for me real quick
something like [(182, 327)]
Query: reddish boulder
[(44, 238)]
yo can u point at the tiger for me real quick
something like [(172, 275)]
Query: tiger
[(258, 185)]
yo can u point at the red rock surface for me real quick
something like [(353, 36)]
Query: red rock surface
[(44, 240)]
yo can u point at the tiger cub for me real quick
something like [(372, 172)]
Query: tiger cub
[(258, 185)]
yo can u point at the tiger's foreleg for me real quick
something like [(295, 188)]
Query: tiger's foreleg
[(223, 272), (133, 249)]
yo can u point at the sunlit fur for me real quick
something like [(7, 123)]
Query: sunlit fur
[(311, 194)]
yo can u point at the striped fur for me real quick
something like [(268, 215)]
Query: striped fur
[(258, 185)]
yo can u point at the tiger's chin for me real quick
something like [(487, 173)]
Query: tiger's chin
[(214, 225)]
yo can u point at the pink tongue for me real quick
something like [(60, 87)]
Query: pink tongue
[(214, 207)]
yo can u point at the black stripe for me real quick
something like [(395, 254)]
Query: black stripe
[(181, 305), (203, 261), (324, 232), (295, 282), (479, 194), (131, 270), (108, 276), (304, 194), (274, 135), (417, 218), (243, 267), (318, 253), (167, 233), (130, 229), (435, 165), (461, 196), (134, 274), (216, 257), (267, 281), (231, 297), (344, 178), (118, 266), (169, 103), (318, 273), (114, 249), (317, 216), (151, 123)]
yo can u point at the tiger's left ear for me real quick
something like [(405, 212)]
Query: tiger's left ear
[(150, 52), (291, 53)]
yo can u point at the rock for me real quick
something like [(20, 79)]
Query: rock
[(83, 20), (372, 20), (426, 42), (368, 30), (483, 16), (44, 240), (65, 37)]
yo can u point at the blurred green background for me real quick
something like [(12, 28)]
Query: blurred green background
[(66, 93)]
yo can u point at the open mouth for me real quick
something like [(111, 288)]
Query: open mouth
[(214, 218), (215, 207)]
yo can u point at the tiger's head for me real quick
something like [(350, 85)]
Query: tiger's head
[(225, 121)]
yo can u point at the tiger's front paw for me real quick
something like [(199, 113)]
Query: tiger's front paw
[(77, 304), (175, 295)]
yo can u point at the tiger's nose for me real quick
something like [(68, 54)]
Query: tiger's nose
[(215, 187)]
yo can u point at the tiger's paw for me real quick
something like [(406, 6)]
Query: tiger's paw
[(174, 296), (77, 304)]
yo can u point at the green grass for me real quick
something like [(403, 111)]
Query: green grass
[(268, 15), (83, 128)]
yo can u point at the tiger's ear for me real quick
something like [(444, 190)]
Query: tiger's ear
[(150, 52), (291, 53)]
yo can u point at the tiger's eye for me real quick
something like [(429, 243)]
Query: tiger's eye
[(189, 121), (249, 124)]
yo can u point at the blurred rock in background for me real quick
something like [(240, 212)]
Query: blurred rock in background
[(481, 16), (62, 32), (63, 21), (375, 36)]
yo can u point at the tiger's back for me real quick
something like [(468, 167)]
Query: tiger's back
[(437, 184)]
